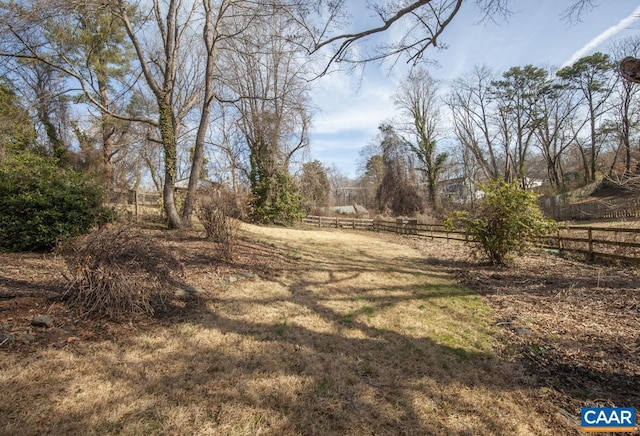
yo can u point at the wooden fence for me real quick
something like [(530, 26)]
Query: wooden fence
[(627, 208), (338, 222), (604, 243), (594, 243), (134, 204)]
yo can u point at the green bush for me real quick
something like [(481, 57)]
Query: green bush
[(276, 201), (506, 222), (42, 204)]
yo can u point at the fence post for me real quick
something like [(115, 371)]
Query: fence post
[(412, 226), (560, 247), (591, 254)]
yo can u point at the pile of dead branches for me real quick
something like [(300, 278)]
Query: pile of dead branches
[(119, 272)]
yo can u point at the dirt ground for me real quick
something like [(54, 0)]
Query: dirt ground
[(574, 324), (574, 328)]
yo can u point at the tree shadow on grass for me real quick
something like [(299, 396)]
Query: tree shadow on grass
[(293, 381), (582, 355), (307, 365)]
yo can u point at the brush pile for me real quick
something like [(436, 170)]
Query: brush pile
[(119, 272)]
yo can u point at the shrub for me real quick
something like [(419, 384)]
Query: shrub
[(506, 222), (119, 272), (216, 210), (42, 204), (276, 200)]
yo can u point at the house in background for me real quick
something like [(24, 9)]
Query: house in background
[(183, 184), (463, 191), (459, 191)]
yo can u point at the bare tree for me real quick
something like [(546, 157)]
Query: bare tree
[(627, 118), (554, 132), (44, 88), (516, 96), (228, 151), (422, 24), (471, 107), (418, 102), (220, 22), (416, 26), (267, 73), (160, 69), (398, 191), (340, 185)]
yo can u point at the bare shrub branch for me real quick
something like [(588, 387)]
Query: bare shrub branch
[(119, 272), (216, 210)]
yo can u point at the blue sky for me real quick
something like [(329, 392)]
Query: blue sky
[(350, 107)]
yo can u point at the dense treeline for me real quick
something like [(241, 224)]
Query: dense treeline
[(552, 129), (133, 93)]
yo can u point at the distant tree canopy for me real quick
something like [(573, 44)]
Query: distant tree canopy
[(398, 191), (531, 126), (17, 131), (172, 87), (314, 185)]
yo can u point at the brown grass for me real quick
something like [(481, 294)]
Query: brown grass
[(339, 333), (573, 324)]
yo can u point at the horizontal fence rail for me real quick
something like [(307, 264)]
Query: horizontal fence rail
[(627, 208), (595, 243), (339, 223), (133, 204)]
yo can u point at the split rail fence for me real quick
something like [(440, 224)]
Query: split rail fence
[(594, 243)]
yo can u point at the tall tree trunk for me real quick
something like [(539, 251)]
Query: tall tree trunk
[(593, 154), (210, 36), (434, 198), (107, 129), (169, 142), (58, 147), (627, 145)]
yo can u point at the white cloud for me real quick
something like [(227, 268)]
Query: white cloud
[(346, 105), (610, 32), (350, 109)]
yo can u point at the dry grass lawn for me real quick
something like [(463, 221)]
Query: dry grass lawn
[(338, 333)]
